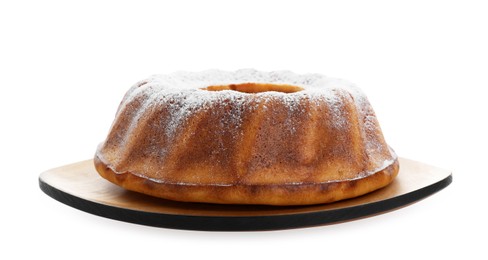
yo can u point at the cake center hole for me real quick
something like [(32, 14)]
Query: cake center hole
[(255, 88)]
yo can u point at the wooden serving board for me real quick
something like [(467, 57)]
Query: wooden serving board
[(79, 185)]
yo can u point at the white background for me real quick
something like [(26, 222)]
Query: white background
[(64, 68)]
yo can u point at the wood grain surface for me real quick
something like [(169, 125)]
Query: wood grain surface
[(80, 186)]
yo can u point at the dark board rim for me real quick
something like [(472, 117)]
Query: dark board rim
[(243, 223)]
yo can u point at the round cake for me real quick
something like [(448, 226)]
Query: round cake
[(246, 137)]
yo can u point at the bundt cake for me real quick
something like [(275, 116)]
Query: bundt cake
[(246, 137)]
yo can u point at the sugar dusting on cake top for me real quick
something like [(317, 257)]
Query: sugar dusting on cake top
[(189, 86), (197, 80)]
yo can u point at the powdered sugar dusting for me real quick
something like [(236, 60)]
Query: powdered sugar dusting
[(197, 80), (184, 93)]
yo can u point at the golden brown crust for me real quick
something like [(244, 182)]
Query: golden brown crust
[(286, 194), (308, 144)]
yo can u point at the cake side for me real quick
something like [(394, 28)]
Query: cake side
[(321, 131), (277, 195)]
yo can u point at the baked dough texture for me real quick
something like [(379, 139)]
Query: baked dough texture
[(246, 137)]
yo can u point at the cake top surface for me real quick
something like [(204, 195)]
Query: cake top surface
[(184, 92), (193, 86), (182, 80)]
